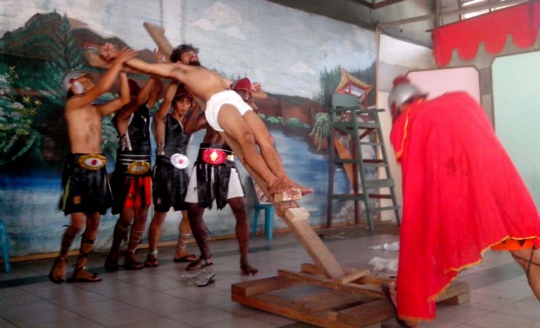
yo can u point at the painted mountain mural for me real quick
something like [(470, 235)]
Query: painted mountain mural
[(33, 137)]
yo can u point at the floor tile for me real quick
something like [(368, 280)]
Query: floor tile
[(122, 317), (202, 316), (502, 320), (162, 297)]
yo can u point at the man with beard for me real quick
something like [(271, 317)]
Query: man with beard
[(226, 113), (214, 177)]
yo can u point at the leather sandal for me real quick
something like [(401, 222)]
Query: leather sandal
[(133, 265), (51, 275), (151, 263), (199, 264), (111, 264), (75, 277), (205, 279)]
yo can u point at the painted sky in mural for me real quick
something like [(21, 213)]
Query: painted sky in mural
[(285, 50)]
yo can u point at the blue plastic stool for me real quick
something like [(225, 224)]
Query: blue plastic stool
[(5, 245), (268, 220)]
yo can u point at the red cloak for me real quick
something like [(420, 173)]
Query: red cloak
[(461, 195)]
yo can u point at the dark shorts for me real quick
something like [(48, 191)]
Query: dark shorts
[(169, 186), (86, 190)]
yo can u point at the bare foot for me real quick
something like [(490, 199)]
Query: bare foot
[(248, 270), (392, 287), (109, 51), (393, 292), (303, 190), (294, 185)]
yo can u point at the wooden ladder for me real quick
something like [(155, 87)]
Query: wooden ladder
[(361, 128)]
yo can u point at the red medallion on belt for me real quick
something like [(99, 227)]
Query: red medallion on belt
[(214, 156)]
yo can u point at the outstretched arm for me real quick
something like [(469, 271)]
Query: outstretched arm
[(105, 83), (152, 89), (110, 51)]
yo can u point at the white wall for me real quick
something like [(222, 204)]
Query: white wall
[(396, 57), (516, 81)]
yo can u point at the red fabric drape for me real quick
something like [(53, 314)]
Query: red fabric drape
[(461, 195), (521, 22)]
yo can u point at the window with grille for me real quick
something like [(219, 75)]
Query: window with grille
[(498, 4)]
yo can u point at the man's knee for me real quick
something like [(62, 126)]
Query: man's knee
[(246, 139), (238, 206), (267, 141)]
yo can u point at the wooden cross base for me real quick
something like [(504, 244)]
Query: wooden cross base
[(310, 297)]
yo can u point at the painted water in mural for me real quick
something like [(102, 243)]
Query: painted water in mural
[(277, 46)]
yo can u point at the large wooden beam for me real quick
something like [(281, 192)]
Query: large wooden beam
[(297, 219), (157, 33)]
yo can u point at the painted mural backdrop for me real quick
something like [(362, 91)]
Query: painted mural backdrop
[(300, 59)]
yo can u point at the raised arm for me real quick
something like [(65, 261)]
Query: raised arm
[(105, 83), (113, 105), (149, 94), (167, 101), (154, 94), (195, 121), (159, 117)]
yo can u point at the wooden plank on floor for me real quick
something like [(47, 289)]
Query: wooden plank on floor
[(332, 284), (457, 293), (289, 309), (261, 286), (366, 314), (374, 280), (354, 276), (331, 300)]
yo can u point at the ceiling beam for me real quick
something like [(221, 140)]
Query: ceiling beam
[(461, 11), (377, 5)]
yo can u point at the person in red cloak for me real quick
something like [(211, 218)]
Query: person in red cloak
[(462, 195)]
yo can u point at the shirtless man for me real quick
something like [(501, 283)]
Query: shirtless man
[(170, 179), (226, 113), (86, 190), (214, 177), (131, 181)]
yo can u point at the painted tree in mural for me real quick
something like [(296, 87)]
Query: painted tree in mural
[(17, 135), (320, 131), (329, 81), (43, 51)]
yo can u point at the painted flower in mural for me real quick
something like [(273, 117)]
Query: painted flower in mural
[(17, 136)]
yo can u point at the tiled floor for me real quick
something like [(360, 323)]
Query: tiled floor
[(162, 297)]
